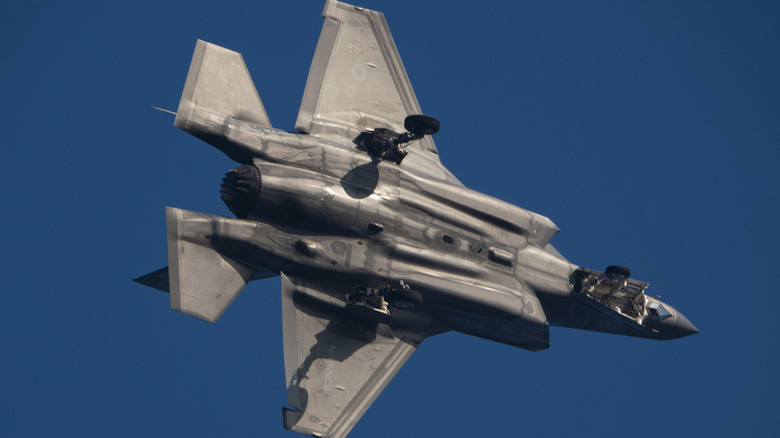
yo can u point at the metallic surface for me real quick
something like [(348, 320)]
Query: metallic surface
[(374, 254)]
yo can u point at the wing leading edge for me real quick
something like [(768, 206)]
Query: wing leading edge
[(335, 365)]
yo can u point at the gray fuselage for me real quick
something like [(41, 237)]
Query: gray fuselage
[(324, 210)]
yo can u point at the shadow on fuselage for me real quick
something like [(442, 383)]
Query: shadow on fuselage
[(361, 181)]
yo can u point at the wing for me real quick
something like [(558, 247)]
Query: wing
[(335, 365), (357, 82)]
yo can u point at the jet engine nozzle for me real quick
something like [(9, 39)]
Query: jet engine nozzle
[(241, 189)]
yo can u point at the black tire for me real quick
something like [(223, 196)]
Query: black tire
[(419, 124), (405, 299), (618, 272)]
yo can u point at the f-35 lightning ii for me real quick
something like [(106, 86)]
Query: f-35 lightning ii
[(377, 244)]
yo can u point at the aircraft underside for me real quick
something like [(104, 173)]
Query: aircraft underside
[(376, 244)]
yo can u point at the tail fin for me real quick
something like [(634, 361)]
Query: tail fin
[(218, 85), (203, 282)]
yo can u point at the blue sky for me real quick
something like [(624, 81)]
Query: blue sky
[(649, 132)]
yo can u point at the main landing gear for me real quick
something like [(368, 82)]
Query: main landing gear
[(374, 304), (386, 144)]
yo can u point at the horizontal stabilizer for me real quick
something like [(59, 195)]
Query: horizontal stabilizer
[(157, 280), (219, 84), (203, 282)]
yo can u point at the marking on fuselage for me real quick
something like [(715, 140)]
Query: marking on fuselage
[(270, 131), (273, 171), (276, 132), (330, 364)]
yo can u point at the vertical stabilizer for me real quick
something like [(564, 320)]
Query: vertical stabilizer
[(218, 86)]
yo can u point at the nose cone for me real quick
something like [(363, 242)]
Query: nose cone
[(682, 327), (676, 327)]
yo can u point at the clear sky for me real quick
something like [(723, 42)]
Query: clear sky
[(648, 131)]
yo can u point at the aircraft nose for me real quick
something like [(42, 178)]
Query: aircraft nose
[(682, 327), (677, 327)]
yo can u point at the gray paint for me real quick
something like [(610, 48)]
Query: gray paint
[(374, 256)]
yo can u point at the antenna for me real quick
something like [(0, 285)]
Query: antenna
[(165, 110)]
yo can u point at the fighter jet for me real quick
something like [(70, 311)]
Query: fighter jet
[(377, 244)]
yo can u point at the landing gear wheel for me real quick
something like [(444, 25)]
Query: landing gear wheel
[(618, 272), (405, 299), (421, 125)]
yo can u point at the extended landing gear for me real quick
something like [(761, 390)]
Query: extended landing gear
[(614, 289), (421, 125), (618, 272), (372, 303), (386, 144)]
